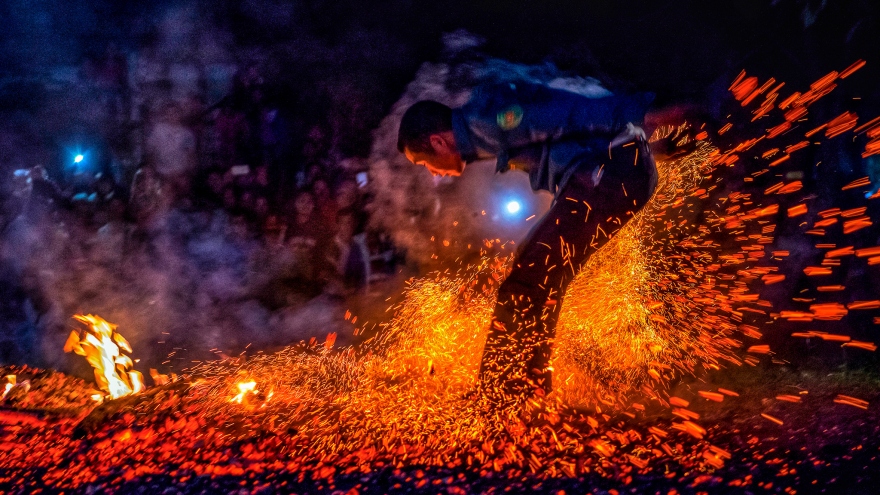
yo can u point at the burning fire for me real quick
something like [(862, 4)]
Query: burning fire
[(244, 388), (101, 345), (10, 384)]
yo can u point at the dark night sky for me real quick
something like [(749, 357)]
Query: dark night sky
[(676, 48), (636, 40)]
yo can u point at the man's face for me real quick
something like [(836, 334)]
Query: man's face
[(445, 159), (438, 165)]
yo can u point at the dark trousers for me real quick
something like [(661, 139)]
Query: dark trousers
[(584, 216)]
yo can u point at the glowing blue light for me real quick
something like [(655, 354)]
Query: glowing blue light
[(513, 207), (78, 158)]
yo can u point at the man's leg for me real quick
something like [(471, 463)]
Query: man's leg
[(584, 217)]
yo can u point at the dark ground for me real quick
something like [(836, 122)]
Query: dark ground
[(821, 447)]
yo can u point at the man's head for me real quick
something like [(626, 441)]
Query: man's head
[(304, 203), (426, 138)]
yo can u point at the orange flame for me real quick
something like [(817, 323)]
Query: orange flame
[(10, 384), (244, 388), (101, 345)]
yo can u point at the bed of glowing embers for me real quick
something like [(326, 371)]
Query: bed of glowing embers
[(664, 380)]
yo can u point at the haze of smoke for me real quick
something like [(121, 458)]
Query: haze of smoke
[(192, 288)]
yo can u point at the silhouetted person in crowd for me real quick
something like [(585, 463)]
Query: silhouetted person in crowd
[(349, 255), (147, 200), (234, 135), (171, 151), (307, 237), (325, 202), (349, 202), (45, 194)]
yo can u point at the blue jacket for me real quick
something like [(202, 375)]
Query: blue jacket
[(549, 133)]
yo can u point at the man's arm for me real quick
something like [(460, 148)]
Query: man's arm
[(513, 115)]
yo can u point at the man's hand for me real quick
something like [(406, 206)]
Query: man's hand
[(677, 144), (631, 133)]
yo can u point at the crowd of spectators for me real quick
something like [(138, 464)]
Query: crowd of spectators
[(232, 163)]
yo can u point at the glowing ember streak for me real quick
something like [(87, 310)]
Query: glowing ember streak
[(771, 418), (864, 181), (812, 271), (824, 81), (797, 316), (788, 101), (764, 212), (798, 210), (790, 188), (840, 124), (780, 160), (801, 145), (867, 126), (745, 88), (769, 153), (872, 148), (872, 251), (101, 345), (773, 189), (852, 68), (776, 131), (789, 398), (851, 226), (828, 311), (854, 212), (739, 78), (795, 113), (692, 428), (815, 131), (837, 253), (602, 448), (750, 331), (868, 346), (851, 401), (875, 304), (713, 396)]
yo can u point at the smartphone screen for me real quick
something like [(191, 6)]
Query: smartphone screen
[(240, 169), (361, 179)]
